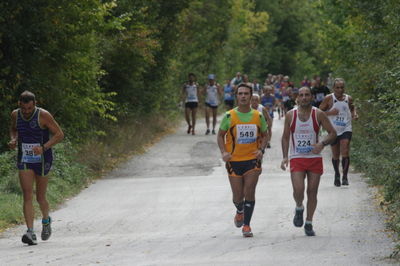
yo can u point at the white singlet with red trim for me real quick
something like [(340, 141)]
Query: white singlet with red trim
[(260, 108), (303, 135), (342, 121)]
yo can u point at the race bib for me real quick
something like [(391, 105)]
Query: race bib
[(192, 96), (27, 153), (303, 143), (339, 121), (228, 95), (246, 133), (320, 97)]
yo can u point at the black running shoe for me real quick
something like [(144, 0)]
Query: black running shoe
[(268, 146), (345, 181), (46, 230), (29, 238), (337, 180), (213, 132), (207, 132), (298, 218), (309, 230)]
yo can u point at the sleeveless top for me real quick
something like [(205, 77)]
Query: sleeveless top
[(212, 95), (228, 93), (30, 134), (242, 138), (260, 108), (342, 121), (303, 135), (191, 93), (268, 101)]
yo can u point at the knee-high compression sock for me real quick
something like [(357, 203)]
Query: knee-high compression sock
[(345, 165), (248, 211), (335, 164), (239, 206)]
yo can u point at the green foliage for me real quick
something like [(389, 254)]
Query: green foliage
[(67, 178), (52, 49), (360, 39)]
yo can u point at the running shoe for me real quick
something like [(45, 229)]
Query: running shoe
[(298, 217), (193, 131), (29, 238), (207, 131), (46, 229), (268, 146), (213, 132), (189, 129), (308, 229), (345, 181), (238, 220), (337, 180), (246, 231)]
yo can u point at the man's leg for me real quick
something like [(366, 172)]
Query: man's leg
[(214, 113), (41, 189), (207, 113), (26, 179), (335, 162), (250, 183), (237, 198), (345, 152), (298, 195), (312, 191), (194, 111), (298, 187), (237, 185), (187, 118)]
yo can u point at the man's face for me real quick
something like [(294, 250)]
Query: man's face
[(27, 108), (305, 97), (338, 89), (255, 101), (191, 78), (211, 81), (243, 96)]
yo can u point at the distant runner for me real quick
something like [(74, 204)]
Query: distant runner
[(213, 93), (229, 95), (191, 94), (341, 110)]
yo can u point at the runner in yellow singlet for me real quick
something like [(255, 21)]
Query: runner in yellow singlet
[(242, 139)]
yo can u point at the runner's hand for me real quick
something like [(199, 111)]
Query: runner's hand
[(12, 144), (284, 163), (317, 148), (334, 111), (38, 150), (226, 156), (258, 154)]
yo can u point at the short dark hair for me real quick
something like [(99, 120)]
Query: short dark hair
[(245, 86), (191, 74), (27, 97)]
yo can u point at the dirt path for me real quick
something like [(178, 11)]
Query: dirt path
[(172, 206)]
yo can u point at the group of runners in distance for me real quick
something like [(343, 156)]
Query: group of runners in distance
[(245, 132)]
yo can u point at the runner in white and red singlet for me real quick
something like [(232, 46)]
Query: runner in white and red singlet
[(301, 129)]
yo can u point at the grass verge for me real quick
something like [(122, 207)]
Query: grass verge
[(75, 166)]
